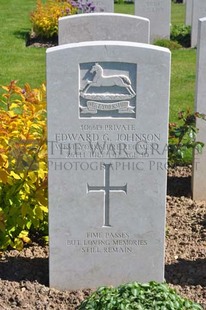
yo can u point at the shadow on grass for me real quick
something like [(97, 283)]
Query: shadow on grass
[(187, 272), (34, 41), (22, 34), (24, 268)]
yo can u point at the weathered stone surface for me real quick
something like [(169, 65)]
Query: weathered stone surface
[(198, 11), (107, 137), (159, 14), (104, 5), (103, 26), (188, 13), (199, 163)]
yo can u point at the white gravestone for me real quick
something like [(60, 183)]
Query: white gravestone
[(188, 13), (198, 11), (159, 14), (107, 138), (103, 5), (107, 26), (199, 164)]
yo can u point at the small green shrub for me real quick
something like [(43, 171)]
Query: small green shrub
[(172, 45), (181, 34), (134, 296), (182, 137)]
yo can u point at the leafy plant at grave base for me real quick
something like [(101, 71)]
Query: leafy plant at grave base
[(23, 168), (183, 137), (172, 45), (45, 18), (152, 295), (181, 34)]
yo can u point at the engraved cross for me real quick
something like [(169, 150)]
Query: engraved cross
[(106, 188)]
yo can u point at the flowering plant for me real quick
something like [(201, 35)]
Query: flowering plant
[(45, 17), (84, 6), (23, 165)]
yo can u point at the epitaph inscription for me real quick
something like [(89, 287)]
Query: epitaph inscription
[(107, 242), (107, 188), (107, 90)]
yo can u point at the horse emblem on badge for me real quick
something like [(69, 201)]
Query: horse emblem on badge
[(105, 94)]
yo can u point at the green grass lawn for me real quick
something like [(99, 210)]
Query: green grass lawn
[(27, 64), (126, 8), (17, 62), (178, 13), (182, 81), (177, 10)]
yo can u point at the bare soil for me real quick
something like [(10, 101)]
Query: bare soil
[(24, 275), (32, 40)]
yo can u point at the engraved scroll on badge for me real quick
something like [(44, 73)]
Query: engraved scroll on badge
[(107, 101)]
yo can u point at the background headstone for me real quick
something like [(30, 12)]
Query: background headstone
[(104, 5), (198, 11), (199, 164), (103, 26), (159, 14), (188, 12), (107, 138)]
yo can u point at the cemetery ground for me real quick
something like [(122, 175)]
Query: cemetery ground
[(24, 275), (24, 280)]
